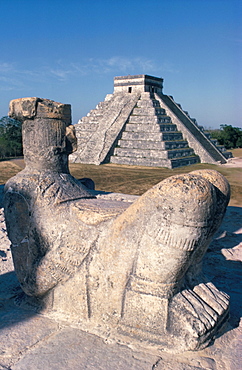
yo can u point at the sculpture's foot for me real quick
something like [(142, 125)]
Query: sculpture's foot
[(189, 321), (195, 316), (35, 304)]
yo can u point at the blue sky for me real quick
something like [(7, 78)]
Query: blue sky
[(69, 51)]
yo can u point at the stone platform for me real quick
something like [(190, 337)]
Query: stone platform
[(30, 341)]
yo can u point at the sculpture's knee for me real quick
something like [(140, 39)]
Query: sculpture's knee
[(222, 189), (176, 217)]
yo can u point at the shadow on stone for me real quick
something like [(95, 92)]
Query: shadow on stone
[(10, 289), (223, 261)]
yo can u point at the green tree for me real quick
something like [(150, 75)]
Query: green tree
[(3, 147), (239, 142), (10, 137), (229, 136)]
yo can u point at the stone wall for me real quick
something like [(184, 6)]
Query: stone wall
[(138, 83)]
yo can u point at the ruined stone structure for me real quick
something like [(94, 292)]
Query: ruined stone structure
[(126, 268), (139, 125)]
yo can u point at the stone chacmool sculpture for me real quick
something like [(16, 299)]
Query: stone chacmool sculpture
[(129, 271)]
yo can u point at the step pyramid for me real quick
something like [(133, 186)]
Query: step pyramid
[(139, 125)]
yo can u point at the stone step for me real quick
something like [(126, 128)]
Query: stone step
[(102, 105), (111, 119), (165, 136), (141, 161), (164, 119), (143, 103), (176, 144), (179, 162), (154, 153), (87, 126), (146, 111), (140, 153), (153, 162), (95, 113), (228, 154), (204, 147), (108, 97), (187, 113), (135, 127), (207, 134), (146, 95), (144, 144), (83, 137), (149, 119), (89, 120), (221, 148)]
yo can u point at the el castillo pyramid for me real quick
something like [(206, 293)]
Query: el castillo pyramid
[(139, 125)]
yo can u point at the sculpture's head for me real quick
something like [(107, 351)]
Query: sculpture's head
[(48, 136)]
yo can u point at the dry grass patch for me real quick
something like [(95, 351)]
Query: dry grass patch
[(236, 152), (137, 179), (7, 169), (126, 179)]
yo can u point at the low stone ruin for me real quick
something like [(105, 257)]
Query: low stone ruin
[(126, 268)]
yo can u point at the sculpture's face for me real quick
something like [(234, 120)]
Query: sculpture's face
[(47, 143)]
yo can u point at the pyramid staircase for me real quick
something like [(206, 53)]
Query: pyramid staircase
[(145, 129), (151, 139), (98, 132)]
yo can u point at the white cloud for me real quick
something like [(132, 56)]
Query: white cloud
[(6, 67), (60, 74), (13, 76), (130, 64), (120, 64)]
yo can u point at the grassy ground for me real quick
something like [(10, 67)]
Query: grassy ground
[(137, 179), (7, 170), (237, 152)]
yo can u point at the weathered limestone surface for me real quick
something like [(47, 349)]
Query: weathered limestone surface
[(138, 83), (33, 341), (127, 269), (103, 128), (156, 131), (151, 138), (205, 148)]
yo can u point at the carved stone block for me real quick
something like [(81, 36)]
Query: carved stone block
[(126, 268)]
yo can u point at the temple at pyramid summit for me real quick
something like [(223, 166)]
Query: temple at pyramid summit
[(139, 125)]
